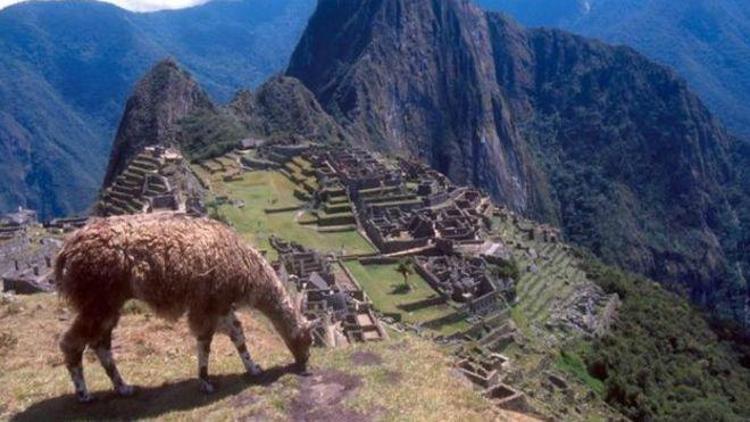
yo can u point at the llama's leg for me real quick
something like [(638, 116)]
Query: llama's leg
[(232, 327), (103, 349), (204, 350), (203, 329), (72, 345)]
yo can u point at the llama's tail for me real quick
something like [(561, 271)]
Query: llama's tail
[(69, 288), (63, 287)]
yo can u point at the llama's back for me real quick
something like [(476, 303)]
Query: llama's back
[(171, 262)]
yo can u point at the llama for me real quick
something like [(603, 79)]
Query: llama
[(176, 264)]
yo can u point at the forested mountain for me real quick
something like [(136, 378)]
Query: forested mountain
[(706, 41), (612, 147), (67, 67)]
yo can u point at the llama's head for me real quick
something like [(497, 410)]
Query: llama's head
[(300, 344), (302, 339)]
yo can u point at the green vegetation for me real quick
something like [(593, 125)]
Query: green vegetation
[(663, 360), (263, 190), (206, 134), (572, 364), (382, 283), (508, 269), (404, 268), (678, 33)]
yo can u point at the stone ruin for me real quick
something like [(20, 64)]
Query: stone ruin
[(406, 209), (12, 224), (401, 207), (468, 281), (28, 249), (344, 310), (157, 179), (66, 225), (26, 262), (404, 218), (590, 311), (487, 370)]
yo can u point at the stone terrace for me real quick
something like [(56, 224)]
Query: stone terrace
[(148, 184)]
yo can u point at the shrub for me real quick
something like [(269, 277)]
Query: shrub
[(508, 269)]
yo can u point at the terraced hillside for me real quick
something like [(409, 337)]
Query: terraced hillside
[(264, 203), (551, 275), (155, 179), (531, 350)]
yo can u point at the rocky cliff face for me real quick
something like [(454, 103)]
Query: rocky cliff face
[(609, 145), (419, 77), (162, 98)]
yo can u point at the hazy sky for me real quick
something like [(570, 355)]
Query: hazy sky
[(136, 5)]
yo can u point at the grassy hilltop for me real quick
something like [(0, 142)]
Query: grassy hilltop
[(405, 378)]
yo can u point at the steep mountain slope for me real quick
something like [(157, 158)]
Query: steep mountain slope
[(609, 145), (67, 68), (706, 41), (162, 98), (541, 12), (408, 76)]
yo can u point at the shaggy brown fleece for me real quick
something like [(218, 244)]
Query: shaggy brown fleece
[(172, 262), (176, 264)]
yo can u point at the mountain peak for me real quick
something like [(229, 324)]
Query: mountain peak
[(164, 95)]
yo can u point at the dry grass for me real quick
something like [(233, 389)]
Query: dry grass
[(7, 342), (411, 381)]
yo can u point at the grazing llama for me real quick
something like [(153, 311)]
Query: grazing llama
[(176, 264)]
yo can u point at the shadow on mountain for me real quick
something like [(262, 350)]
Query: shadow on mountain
[(149, 402)]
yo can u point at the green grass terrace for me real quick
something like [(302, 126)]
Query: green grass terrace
[(385, 287), (268, 190)]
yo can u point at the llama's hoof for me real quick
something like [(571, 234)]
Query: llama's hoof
[(125, 390), (84, 397), (255, 370), (301, 369), (207, 387)]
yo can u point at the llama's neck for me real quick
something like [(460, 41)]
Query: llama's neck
[(273, 300)]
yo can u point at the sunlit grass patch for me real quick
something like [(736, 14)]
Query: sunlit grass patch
[(385, 287)]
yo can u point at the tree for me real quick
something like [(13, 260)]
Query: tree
[(508, 269), (405, 268)]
